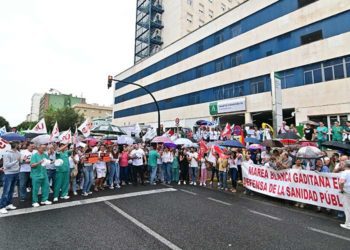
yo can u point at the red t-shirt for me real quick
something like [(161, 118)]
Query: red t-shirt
[(123, 160)]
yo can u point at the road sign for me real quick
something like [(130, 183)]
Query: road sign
[(177, 121)]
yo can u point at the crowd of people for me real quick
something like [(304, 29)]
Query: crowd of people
[(63, 169)]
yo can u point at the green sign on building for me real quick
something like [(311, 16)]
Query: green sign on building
[(213, 108)]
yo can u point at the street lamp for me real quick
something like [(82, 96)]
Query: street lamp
[(111, 79)]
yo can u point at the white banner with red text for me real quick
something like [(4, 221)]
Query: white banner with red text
[(309, 187)]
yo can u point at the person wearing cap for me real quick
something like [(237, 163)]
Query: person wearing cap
[(11, 168), (39, 177), (344, 184), (62, 174)]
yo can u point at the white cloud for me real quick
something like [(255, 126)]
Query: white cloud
[(68, 45)]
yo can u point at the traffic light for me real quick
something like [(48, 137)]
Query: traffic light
[(110, 80)]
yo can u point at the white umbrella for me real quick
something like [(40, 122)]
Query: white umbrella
[(43, 139), (183, 141), (125, 139)]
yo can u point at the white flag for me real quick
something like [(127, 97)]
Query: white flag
[(86, 127), (137, 130), (151, 133), (40, 127), (3, 130), (211, 158), (55, 132), (66, 137)]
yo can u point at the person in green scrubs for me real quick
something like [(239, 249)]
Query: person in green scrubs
[(39, 177), (322, 131), (337, 132), (62, 174)]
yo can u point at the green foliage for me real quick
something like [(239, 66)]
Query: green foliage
[(66, 118), (26, 125), (4, 122)]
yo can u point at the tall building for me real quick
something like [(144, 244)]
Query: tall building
[(57, 101), (93, 111), (222, 70), (161, 22), (35, 108)]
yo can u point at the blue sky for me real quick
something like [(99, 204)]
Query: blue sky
[(69, 45)]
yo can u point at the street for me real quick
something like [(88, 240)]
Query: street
[(175, 217)]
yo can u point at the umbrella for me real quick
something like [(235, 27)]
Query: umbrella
[(191, 145), (310, 122), (214, 143), (160, 139), (309, 152), (170, 145), (232, 144), (110, 137), (125, 140), (183, 141), (91, 141), (289, 141), (252, 140), (108, 130), (13, 137), (336, 145), (255, 146), (307, 143), (43, 139), (288, 135), (204, 123), (272, 144), (31, 135)]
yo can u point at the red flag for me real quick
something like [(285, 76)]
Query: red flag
[(226, 133), (242, 137), (219, 151), (203, 148)]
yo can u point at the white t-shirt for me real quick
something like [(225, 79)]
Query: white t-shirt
[(25, 155), (71, 162), (167, 157), (232, 163), (345, 176), (194, 162), (239, 159), (265, 156), (203, 166), (138, 154)]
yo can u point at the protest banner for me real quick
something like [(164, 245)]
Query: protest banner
[(91, 158), (106, 157), (309, 187)]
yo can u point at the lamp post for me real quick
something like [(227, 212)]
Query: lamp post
[(111, 79)]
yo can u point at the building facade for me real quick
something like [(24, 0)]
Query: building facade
[(222, 70), (58, 101), (93, 111), (35, 108), (161, 22)]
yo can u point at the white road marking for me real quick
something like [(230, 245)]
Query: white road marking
[(219, 201), (144, 227), (84, 202), (329, 234), (265, 215), (189, 192)]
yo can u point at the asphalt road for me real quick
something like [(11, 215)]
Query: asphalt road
[(161, 217)]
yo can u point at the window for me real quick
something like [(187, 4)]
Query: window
[(190, 2), (201, 8), (199, 71), (257, 86), (236, 59), (311, 37), (189, 17), (193, 98), (287, 79), (218, 38), (223, 7), (236, 30), (347, 61), (219, 65), (211, 13), (334, 70), (313, 74), (302, 3), (200, 47)]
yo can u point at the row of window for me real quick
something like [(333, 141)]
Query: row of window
[(290, 78), (327, 28), (251, 22)]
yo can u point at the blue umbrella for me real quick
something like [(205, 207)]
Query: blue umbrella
[(232, 144), (252, 140), (13, 137), (204, 123)]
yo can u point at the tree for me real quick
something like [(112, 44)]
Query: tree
[(4, 122), (26, 125), (67, 118)]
